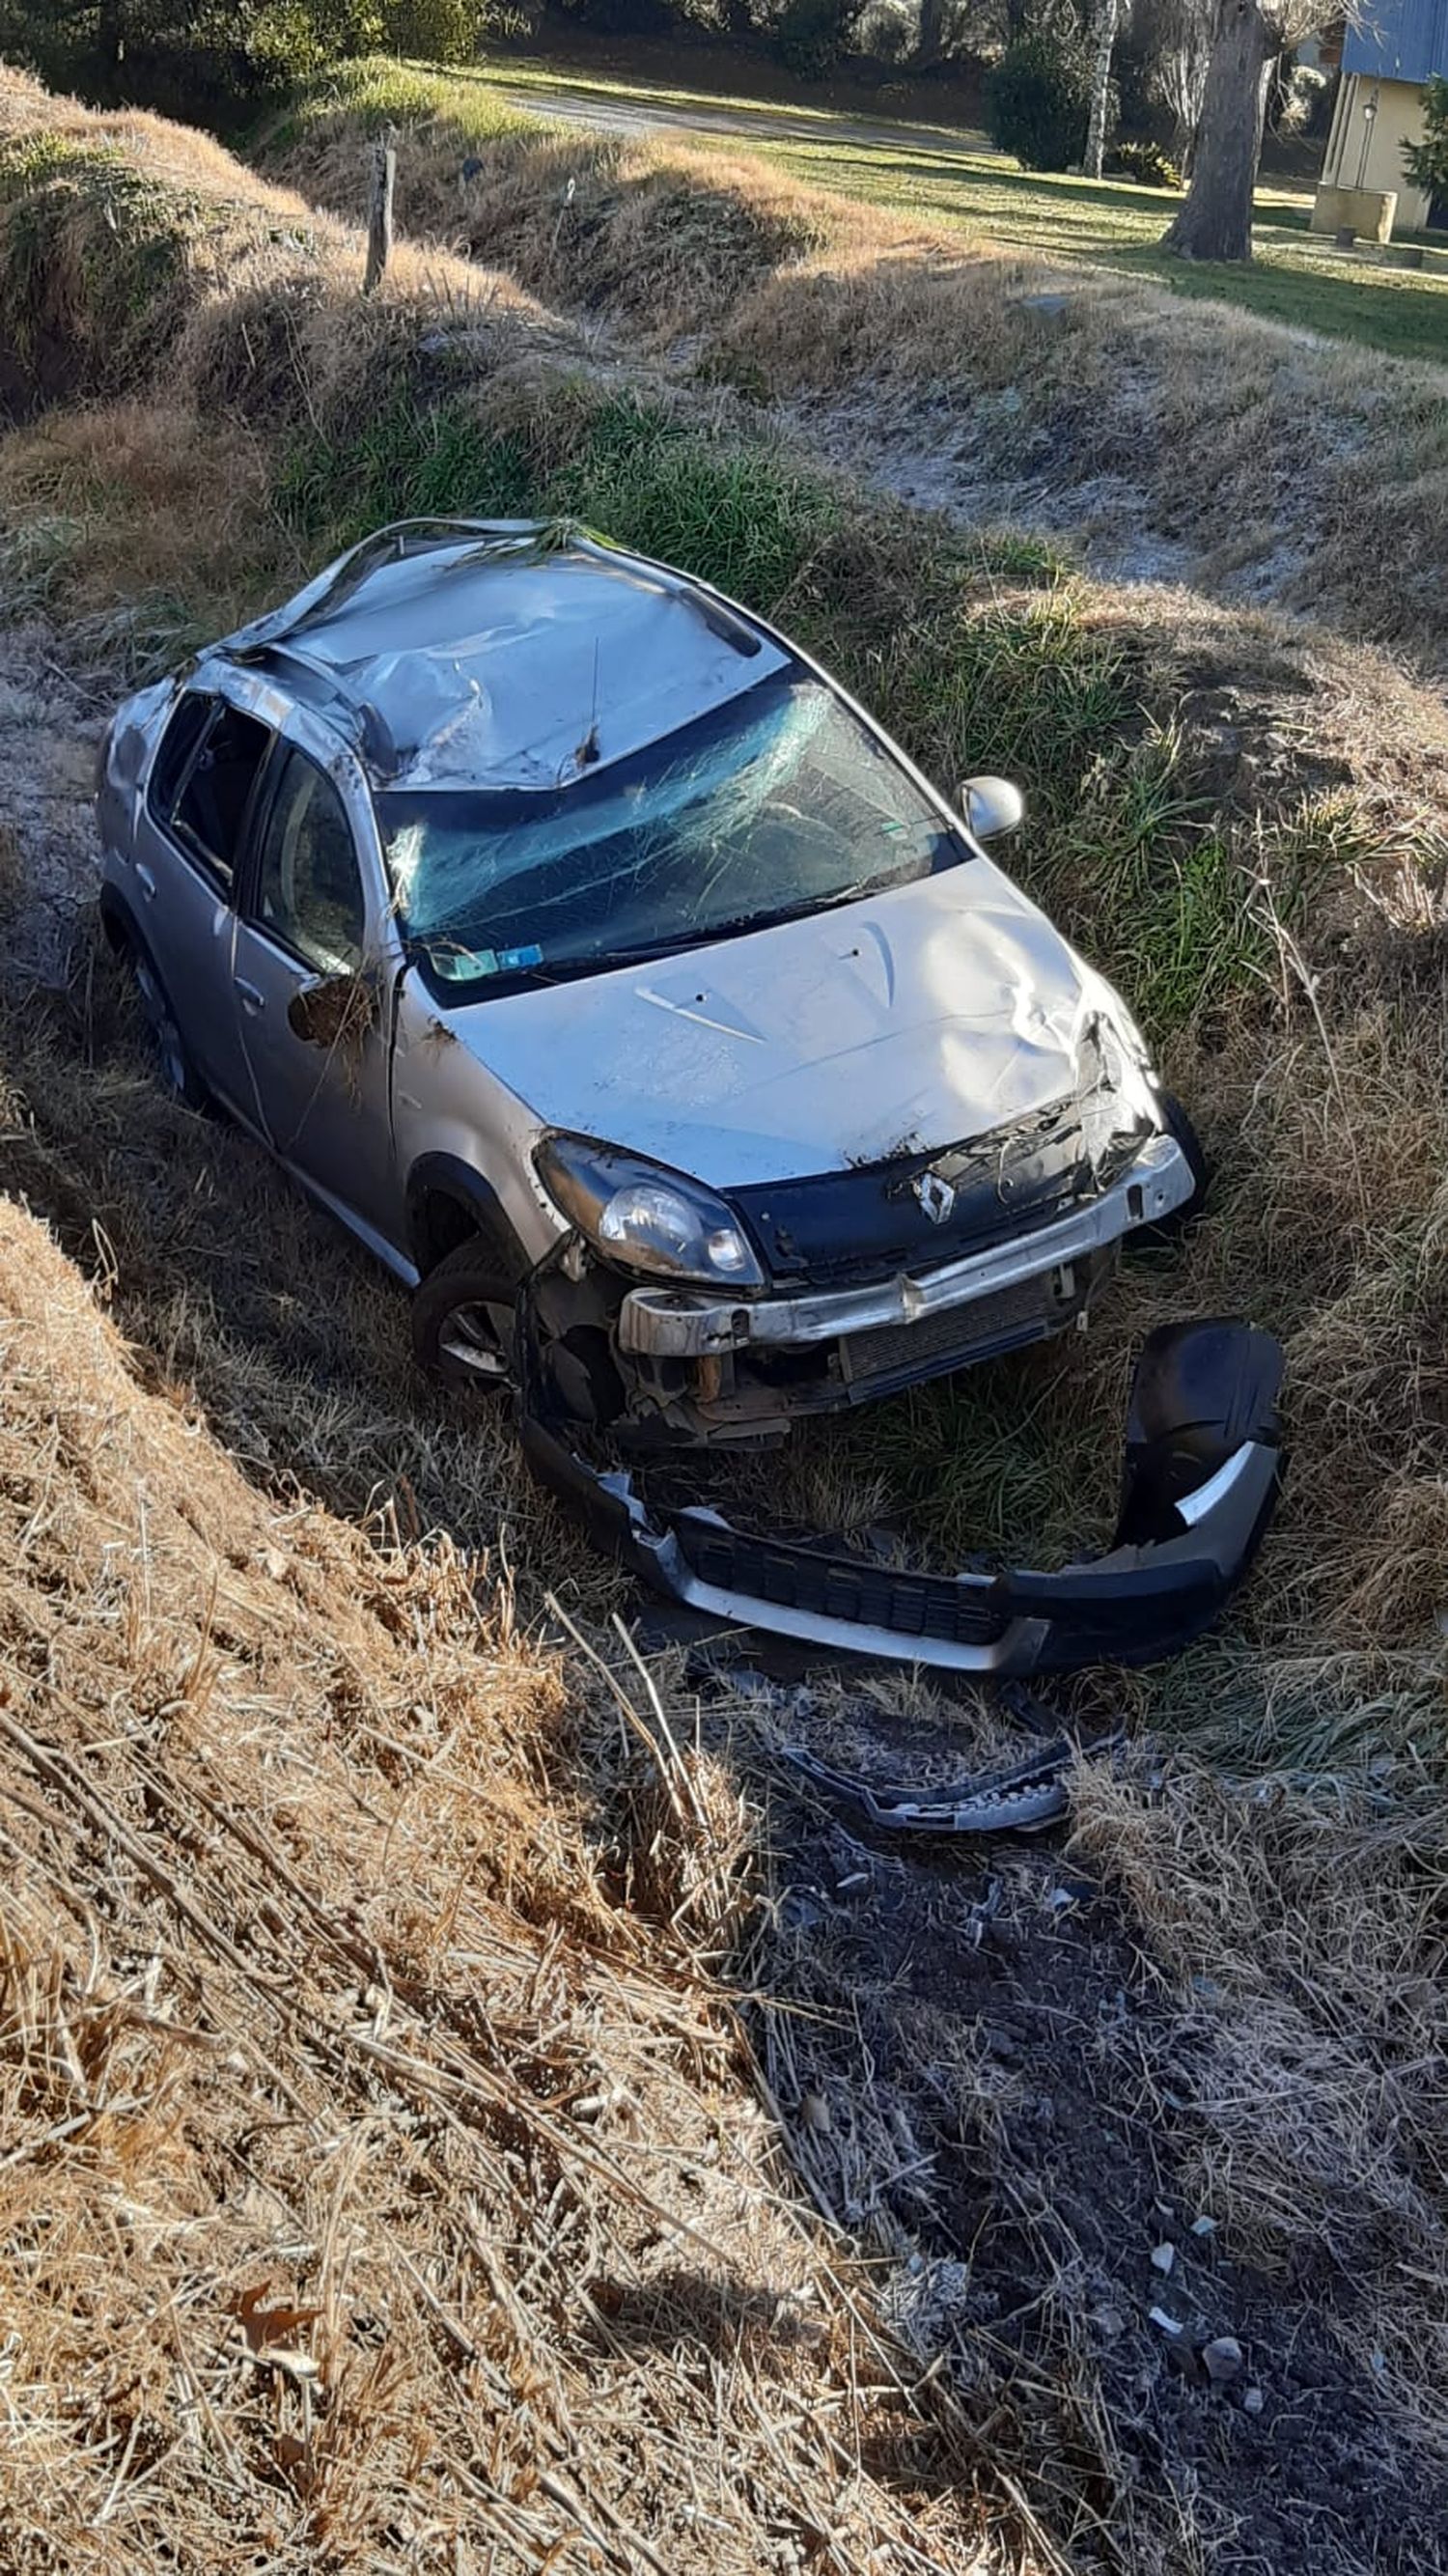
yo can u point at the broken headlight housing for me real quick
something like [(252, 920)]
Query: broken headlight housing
[(644, 1217), (1115, 1091)]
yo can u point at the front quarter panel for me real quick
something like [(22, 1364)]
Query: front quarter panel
[(446, 1102)]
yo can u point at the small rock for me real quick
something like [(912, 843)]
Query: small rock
[(1222, 2359), (1163, 2258), (1168, 2325), (1253, 2401), (814, 2110), (1204, 2227)]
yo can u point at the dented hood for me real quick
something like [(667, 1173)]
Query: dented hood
[(898, 1024)]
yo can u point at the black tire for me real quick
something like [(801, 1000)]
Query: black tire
[(462, 1320), (173, 1056), (1169, 1229)]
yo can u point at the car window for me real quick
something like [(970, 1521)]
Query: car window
[(774, 806), (211, 809), (188, 723), (309, 883)]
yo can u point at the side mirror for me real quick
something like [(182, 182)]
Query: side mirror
[(992, 806), (333, 1011)]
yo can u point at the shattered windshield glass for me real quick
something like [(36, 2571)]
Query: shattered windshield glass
[(778, 804)]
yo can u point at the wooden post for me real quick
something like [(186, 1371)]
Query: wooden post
[(379, 209)]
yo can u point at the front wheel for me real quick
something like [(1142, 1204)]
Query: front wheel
[(463, 1321)]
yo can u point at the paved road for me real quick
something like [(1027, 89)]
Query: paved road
[(644, 115)]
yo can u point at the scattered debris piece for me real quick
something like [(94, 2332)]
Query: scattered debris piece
[(1253, 2401), (1222, 2360), (1163, 2258), (1168, 2325), (1204, 2226), (1020, 1800)]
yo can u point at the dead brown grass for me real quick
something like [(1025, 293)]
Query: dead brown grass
[(237, 290), (374, 2189), (662, 240)]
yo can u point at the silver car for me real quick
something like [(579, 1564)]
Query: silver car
[(609, 972)]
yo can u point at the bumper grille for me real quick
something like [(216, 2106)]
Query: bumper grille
[(960, 1333), (834, 1587)]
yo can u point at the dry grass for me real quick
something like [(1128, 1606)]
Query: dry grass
[(375, 2189), (661, 239), (133, 250)]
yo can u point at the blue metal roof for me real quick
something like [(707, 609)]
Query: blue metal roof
[(1404, 40)]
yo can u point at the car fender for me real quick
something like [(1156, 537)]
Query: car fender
[(439, 1176)]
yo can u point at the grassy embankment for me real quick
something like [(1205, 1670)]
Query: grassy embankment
[(1246, 825), (1255, 461), (953, 181)]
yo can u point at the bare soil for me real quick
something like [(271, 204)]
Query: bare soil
[(1004, 2062)]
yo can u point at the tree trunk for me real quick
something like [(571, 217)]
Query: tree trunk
[(110, 48), (1100, 88), (930, 41), (1216, 221)]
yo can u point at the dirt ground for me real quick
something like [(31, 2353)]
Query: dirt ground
[(998, 2027)]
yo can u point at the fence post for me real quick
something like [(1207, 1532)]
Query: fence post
[(379, 209)]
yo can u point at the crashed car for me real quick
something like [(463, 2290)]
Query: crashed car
[(580, 943)]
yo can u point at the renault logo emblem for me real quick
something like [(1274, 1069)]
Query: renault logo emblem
[(936, 1196)]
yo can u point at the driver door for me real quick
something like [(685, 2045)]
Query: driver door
[(313, 991)]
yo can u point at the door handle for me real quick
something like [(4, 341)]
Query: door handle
[(251, 999), (146, 882)]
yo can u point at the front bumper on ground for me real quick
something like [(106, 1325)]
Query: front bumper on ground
[(680, 1323), (1203, 1466)]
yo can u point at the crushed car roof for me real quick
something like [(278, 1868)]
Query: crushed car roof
[(505, 654)]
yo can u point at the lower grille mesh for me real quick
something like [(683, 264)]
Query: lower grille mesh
[(959, 1333), (834, 1587)]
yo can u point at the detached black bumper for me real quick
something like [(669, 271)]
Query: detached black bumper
[(1203, 1468)]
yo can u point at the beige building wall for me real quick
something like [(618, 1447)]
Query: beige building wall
[(1399, 120)]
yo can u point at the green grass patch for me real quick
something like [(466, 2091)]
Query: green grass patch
[(407, 463), (731, 515)]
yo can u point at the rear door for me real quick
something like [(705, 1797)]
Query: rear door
[(189, 844), (313, 974)]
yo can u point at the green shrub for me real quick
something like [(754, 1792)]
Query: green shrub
[(1146, 163), (811, 35), (1426, 163), (1038, 100)]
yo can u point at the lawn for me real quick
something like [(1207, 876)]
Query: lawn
[(952, 178)]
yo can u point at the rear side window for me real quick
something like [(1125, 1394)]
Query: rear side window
[(188, 724), (211, 810)]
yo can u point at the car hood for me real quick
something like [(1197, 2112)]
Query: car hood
[(895, 1025)]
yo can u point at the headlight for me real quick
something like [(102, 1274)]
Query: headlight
[(644, 1217)]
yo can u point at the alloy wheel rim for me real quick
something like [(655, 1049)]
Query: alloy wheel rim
[(475, 1340)]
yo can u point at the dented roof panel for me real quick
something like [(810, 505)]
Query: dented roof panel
[(509, 657)]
